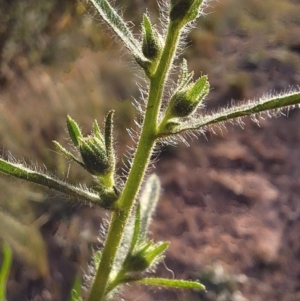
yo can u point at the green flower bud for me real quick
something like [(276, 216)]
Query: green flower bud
[(147, 256), (137, 263), (94, 156), (97, 156), (184, 10), (151, 45), (181, 106), (185, 101), (187, 97)]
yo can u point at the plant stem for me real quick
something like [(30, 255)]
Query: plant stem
[(273, 105), (139, 166), (22, 172)]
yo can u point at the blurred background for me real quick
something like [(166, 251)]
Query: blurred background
[(230, 203)]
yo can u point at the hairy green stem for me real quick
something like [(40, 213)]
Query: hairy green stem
[(139, 166), (274, 103), (22, 172)]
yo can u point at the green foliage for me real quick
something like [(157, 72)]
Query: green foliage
[(76, 292), (129, 254), (4, 270), (74, 131)]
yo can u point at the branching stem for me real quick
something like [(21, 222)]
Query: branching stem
[(271, 104), (139, 166)]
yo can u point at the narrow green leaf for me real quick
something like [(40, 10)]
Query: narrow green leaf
[(76, 292), (148, 202), (137, 228), (69, 155), (22, 172), (173, 283), (97, 131), (199, 89), (97, 258), (185, 76), (155, 254), (109, 137), (74, 130), (125, 249), (117, 24), (147, 26), (4, 271)]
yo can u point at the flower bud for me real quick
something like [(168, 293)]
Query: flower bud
[(186, 98), (147, 255), (184, 10), (94, 156), (151, 45), (185, 101), (136, 263), (97, 156)]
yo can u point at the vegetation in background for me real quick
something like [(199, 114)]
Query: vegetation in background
[(181, 114)]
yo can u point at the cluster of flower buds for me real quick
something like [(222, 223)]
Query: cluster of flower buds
[(97, 155)]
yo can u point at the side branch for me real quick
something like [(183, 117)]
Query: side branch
[(22, 172), (273, 104)]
